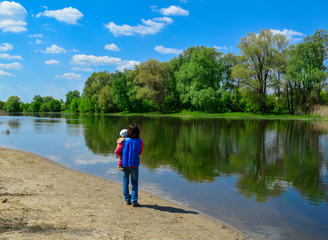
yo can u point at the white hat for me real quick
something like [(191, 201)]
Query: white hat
[(123, 132)]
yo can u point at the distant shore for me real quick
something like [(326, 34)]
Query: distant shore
[(41, 199), (232, 115), (192, 115)]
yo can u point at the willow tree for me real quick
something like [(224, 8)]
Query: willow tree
[(261, 53), (151, 80)]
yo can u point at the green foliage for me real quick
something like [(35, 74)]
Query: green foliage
[(324, 97), (199, 78), (261, 53), (150, 81), (54, 105), (13, 104), (95, 83), (75, 105), (86, 105), (25, 107), (70, 96), (120, 91), (307, 72), (105, 100), (2, 105), (36, 103)]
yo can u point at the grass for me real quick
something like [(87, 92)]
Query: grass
[(234, 115)]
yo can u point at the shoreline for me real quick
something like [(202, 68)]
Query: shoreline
[(193, 115), (42, 199)]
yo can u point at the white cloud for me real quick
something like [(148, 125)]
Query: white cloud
[(164, 50), (14, 65), (87, 69), (223, 48), (24, 88), (10, 57), (5, 74), (127, 64), (91, 60), (54, 49), (12, 17), (174, 11), (112, 47), (292, 36), (70, 76), (51, 62), (68, 15), (39, 35), (6, 47), (150, 26), (38, 41)]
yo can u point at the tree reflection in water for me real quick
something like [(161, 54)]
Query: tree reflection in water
[(268, 157)]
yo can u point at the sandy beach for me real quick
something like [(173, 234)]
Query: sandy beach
[(41, 199)]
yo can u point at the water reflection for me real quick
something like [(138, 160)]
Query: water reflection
[(14, 124), (268, 156)]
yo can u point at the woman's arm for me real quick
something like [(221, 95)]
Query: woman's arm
[(141, 148)]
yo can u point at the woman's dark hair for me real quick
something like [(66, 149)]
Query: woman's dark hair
[(133, 131)]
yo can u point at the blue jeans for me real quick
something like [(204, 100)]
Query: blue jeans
[(134, 173)]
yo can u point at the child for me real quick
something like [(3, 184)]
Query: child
[(119, 141)]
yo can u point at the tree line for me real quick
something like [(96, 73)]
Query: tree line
[(270, 75)]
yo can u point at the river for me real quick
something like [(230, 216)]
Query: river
[(267, 178)]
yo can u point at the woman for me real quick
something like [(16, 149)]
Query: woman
[(131, 149)]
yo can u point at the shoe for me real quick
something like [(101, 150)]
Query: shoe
[(128, 203), (136, 205)]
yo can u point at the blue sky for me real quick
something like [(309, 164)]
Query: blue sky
[(50, 47)]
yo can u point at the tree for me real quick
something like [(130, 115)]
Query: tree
[(86, 105), (36, 103), (228, 61), (105, 100), (13, 104), (306, 71), (261, 53), (75, 105), (2, 104), (54, 105), (199, 78), (70, 96), (95, 83), (120, 91), (150, 81), (25, 107)]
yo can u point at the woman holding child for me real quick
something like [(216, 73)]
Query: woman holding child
[(130, 149)]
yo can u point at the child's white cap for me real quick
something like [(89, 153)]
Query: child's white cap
[(123, 132)]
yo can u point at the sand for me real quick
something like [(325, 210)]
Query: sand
[(41, 199)]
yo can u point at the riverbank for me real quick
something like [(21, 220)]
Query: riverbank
[(194, 115), (233, 115), (41, 199)]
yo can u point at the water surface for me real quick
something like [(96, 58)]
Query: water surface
[(268, 179)]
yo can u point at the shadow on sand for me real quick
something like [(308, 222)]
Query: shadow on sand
[(168, 209)]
